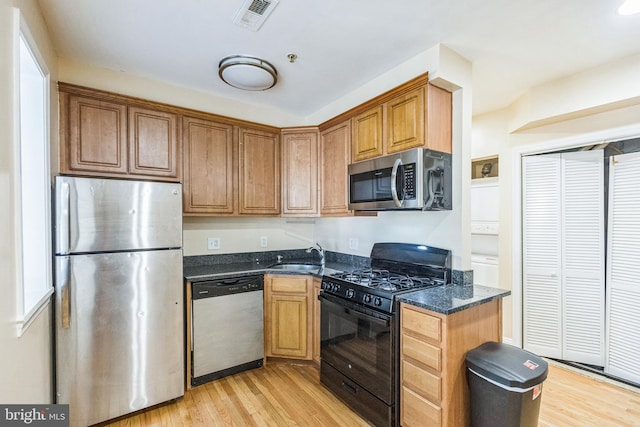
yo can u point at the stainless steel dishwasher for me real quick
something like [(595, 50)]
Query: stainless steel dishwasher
[(227, 327)]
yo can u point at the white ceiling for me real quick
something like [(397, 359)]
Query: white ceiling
[(341, 45)]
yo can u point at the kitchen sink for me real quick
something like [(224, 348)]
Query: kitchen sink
[(294, 267)]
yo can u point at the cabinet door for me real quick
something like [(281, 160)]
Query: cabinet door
[(259, 172), (288, 325), (335, 149), (405, 121), (209, 172), (97, 136), (367, 135), (439, 119), (153, 143), (300, 173)]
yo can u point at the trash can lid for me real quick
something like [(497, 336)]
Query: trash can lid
[(507, 365)]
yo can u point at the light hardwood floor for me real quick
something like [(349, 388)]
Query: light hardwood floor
[(283, 394)]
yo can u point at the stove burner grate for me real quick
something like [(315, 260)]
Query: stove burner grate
[(385, 280)]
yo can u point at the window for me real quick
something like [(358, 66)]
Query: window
[(32, 180)]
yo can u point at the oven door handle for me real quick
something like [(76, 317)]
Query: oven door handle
[(349, 308)]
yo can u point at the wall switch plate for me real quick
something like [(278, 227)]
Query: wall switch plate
[(213, 243), (353, 243), (263, 241)]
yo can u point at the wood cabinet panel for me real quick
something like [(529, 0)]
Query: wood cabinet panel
[(421, 323), (426, 389), (210, 174), (405, 121), (97, 132), (417, 411), (421, 351), (154, 145), (288, 311), (288, 325), (259, 172), (300, 173), (367, 140), (291, 284), (335, 156), (424, 382), (439, 119)]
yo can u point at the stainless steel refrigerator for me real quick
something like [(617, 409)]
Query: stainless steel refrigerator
[(119, 343)]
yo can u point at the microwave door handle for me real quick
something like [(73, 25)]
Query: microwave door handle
[(394, 189)]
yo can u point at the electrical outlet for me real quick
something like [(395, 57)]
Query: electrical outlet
[(263, 241), (213, 243), (353, 243)]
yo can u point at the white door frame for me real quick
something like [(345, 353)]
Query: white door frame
[(615, 134)]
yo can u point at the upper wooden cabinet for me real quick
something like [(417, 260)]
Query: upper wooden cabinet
[(109, 135), (153, 143), (413, 115), (335, 156), (210, 172), (368, 140), (300, 172), (259, 172)]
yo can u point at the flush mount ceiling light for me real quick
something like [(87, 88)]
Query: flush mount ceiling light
[(247, 72), (629, 7)]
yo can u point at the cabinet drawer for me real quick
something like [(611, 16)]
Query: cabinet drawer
[(418, 411), (422, 352), (421, 381), (289, 284), (421, 323)]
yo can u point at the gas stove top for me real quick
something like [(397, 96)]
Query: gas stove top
[(386, 281), (395, 268)]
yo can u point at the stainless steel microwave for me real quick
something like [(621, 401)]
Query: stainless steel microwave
[(418, 179)]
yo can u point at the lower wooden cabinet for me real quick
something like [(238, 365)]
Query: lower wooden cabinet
[(433, 347), (288, 311)]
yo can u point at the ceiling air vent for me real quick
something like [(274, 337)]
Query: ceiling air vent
[(253, 13)]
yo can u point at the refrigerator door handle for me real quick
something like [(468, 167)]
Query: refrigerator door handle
[(65, 292), (64, 218)]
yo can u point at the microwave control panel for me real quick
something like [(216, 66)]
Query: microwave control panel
[(409, 181)]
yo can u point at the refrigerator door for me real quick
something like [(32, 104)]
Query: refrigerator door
[(119, 332), (104, 215)]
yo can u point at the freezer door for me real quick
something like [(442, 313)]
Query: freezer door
[(104, 215), (119, 332)]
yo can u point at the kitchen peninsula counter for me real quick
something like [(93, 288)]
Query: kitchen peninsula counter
[(451, 299)]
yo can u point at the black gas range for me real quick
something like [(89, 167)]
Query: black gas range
[(360, 328)]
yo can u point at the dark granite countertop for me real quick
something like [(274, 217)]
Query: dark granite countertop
[(450, 299), (205, 267), (206, 272)]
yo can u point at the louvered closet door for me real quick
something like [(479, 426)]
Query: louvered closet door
[(541, 199), (623, 272), (563, 256), (583, 250)]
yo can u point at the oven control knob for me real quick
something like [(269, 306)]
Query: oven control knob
[(350, 293), (367, 299), (377, 302)]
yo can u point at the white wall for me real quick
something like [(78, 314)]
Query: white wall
[(25, 362), (590, 106)]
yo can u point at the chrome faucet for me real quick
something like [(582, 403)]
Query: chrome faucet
[(319, 250)]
